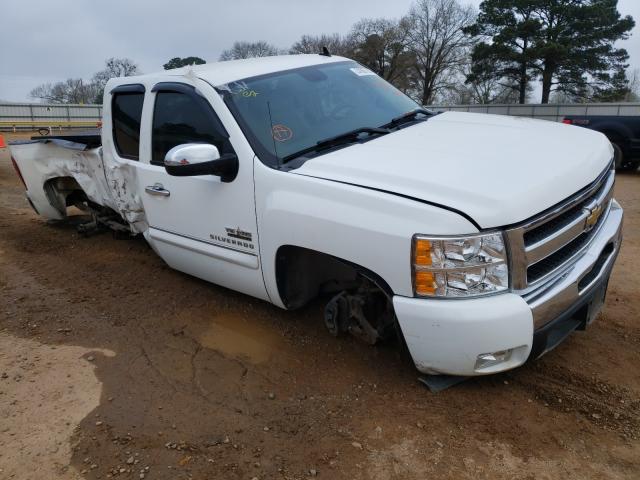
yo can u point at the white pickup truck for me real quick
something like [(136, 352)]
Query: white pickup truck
[(481, 241)]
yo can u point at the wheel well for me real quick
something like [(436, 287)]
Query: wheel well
[(303, 274), (63, 192), (613, 136)]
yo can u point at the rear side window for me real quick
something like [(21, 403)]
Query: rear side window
[(180, 118), (126, 112)]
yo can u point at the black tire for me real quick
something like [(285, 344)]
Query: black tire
[(618, 156), (632, 165), (623, 163)]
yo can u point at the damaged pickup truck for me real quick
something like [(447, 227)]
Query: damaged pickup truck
[(481, 241)]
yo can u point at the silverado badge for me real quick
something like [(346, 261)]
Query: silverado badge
[(235, 237)]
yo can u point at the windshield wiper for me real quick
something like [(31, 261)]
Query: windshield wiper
[(407, 117), (337, 140)]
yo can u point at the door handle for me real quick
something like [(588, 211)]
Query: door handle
[(157, 189)]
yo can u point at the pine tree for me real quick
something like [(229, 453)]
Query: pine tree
[(177, 62), (576, 47), (618, 91), (567, 44), (510, 30)]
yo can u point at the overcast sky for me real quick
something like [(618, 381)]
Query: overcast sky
[(46, 41)]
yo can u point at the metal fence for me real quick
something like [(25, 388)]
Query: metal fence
[(15, 116), (548, 112)]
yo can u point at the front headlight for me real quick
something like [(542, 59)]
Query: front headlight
[(459, 266)]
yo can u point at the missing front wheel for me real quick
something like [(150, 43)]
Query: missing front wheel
[(365, 313)]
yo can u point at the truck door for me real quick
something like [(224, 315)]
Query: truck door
[(121, 148), (199, 224)]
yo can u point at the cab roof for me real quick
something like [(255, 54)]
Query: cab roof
[(220, 73)]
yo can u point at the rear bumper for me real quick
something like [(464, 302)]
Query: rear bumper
[(446, 336)]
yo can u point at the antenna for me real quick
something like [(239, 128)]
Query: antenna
[(275, 146), (325, 52)]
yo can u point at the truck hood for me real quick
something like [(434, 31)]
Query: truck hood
[(498, 170)]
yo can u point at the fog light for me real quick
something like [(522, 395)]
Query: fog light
[(490, 359)]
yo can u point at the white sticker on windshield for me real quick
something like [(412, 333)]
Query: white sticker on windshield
[(361, 71)]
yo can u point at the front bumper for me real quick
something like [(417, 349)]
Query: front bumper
[(446, 336)]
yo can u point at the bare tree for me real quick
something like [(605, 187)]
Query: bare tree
[(486, 87), (382, 45), (76, 90), (72, 90), (114, 67), (249, 50), (48, 92), (634, 86), (478, 92), (560, 96), (336, 44), (440, 46)]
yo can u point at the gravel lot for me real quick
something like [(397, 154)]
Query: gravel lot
[(112, 365)]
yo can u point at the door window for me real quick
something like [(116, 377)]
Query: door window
[(180, 118), (126, 112)]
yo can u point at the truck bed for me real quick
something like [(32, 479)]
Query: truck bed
[(56, 166), (90, 139)]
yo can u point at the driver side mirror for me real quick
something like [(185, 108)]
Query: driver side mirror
[(192, 159)]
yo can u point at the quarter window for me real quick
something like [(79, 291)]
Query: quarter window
[(126, 112), (179, 118)]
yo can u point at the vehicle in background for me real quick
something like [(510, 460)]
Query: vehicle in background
[(622, 131), (480, 241)]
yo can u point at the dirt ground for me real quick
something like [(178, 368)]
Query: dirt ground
[(113, 365)]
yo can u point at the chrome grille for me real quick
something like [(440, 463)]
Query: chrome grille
[(544, 246), (537, 234)]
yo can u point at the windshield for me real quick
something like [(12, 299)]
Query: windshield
[(286, 112)]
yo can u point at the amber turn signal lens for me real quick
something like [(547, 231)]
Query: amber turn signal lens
[(425, 283), (422, 253)]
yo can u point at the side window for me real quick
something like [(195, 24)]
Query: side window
[(126, 112), (180, 118)]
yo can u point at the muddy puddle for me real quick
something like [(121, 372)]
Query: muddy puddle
[(238, 336)]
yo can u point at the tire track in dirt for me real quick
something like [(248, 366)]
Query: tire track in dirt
[(608, 406)]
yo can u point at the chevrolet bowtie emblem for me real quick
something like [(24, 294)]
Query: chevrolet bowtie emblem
[(593, 216)]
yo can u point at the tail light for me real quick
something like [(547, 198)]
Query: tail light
[(567, 121), (15, 165)]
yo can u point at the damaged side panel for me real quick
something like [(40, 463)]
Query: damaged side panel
[(122, 180), (41, 161)]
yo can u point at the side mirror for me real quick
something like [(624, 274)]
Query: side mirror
[(191, 159)]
